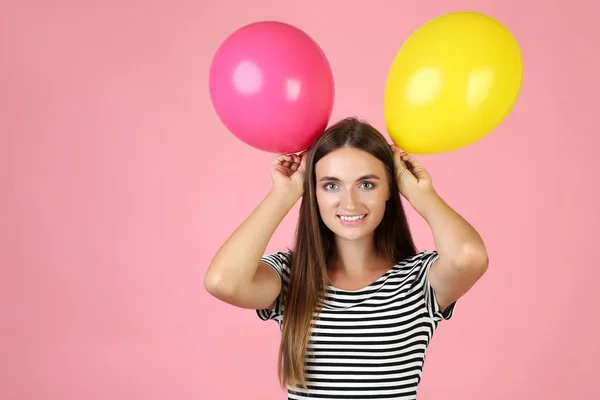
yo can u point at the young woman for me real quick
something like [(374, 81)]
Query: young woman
[(356, 303)]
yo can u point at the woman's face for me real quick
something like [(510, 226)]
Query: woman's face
[(351, 189)]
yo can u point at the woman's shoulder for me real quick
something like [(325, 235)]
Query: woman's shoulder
[(418, 261), (422, 256), (280, 261)]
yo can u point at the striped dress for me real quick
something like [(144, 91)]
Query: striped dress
[(368, 343)]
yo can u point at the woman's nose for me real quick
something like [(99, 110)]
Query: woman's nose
[(349, 200)]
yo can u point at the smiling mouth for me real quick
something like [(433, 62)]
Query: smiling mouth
[(352, 218)]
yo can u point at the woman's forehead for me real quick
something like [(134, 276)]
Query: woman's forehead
[(349, 163)]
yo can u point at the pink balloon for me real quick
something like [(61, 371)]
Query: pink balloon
[(272, 87)]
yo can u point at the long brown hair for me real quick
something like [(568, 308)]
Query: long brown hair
[(315, 243)]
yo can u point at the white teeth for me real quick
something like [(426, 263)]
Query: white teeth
[(355, 218)]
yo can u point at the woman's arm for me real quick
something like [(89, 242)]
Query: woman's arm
[(462, 254), (236, 274)]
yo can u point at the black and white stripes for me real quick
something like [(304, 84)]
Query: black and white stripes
[(368, 343)]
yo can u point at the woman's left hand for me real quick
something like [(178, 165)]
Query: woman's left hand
[(413, 179)]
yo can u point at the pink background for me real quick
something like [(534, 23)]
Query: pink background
[(119, 184)]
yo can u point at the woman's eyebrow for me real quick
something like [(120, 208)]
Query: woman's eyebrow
[(362, 178)]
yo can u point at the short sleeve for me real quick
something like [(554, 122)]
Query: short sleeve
[(280, 262), (422, 263)]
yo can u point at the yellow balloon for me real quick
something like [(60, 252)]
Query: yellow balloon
[(452, 82)]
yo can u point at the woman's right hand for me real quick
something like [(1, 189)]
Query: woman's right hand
[(287, 173)]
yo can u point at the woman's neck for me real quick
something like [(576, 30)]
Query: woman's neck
[(355, 257)]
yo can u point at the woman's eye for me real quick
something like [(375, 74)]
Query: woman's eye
[(367, 185), (330, 186)]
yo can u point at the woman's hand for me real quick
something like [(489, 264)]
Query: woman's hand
[(287, 173), (413, 180)]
